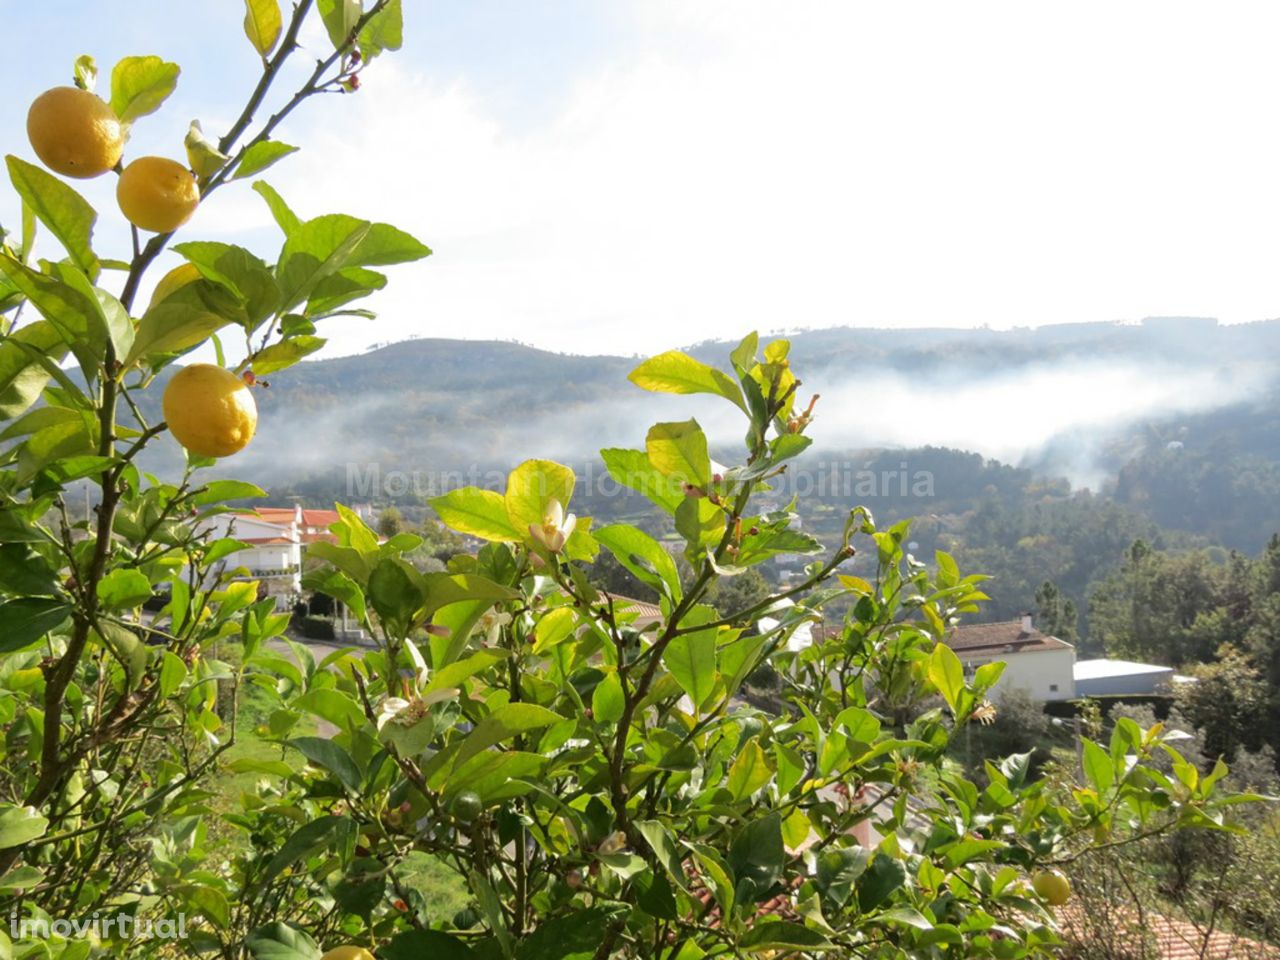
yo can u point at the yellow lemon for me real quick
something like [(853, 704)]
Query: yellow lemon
[(349, 952), (210, 411), (74, 132), (173, 281), (1053, 886), (157, 194)]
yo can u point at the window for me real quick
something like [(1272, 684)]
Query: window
[(1053, 688)]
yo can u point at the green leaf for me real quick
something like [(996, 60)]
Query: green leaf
[(573, 937), (416, 944), (331, 756), (691, 658), (947, 674), (139, 85), (171, 327), (395, 593), (336, 291), (772, 936), (509, 720), (220, 491), (643, 556), (664, 846), (530, 489), (677, 372), (1098, 767), (27, 619), (948, 571), (19, 825), (65, 213), (453, 674), (173, 673), (262, 24), (883, 877), (554, 628), (123, 589), (22, 376), (240, 272), (264, 153), (383, 32), (632, 469), (480, 513), (749, 772), (72, 314), (332, 705), (282, 355), (607, 700), (279, 941), (285, 218), (128, 649), (340, 18), (385, 245), (679, 450), (85, 72), (315, 250)]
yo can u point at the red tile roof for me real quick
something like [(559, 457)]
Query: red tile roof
[(983, 639), (1169, 939)]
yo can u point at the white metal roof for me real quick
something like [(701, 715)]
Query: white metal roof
[(1097, 669)]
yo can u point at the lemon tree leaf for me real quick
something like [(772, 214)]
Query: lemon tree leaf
[(22, 378), (340, 18), (86, 72), (19, 825), (285, 218), (70, 311), (314, 250), (531, 487), (385, 245), (172, 327), (341, 288), (679, 450), (677, 372), (139, 85), (480, 513), (642, 555), (691, 658), (285, 354), (749, 772), (279, 941), (262, 24), (27, 619), (260, 156), (947, 674), (65, 213), (632, 469), (239, 271), (122, 589), (383, 32)]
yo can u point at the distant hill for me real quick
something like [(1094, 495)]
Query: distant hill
[(436, 404)]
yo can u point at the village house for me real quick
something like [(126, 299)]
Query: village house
[(1041, 666)]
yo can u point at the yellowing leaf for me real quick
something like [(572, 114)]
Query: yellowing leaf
[(262, 24), (677, 372), (750, 771), (139, 85)]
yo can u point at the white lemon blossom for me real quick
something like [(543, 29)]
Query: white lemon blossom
[(555, 528)]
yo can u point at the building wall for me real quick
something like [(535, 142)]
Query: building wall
[(1041, 674), (1134, 684)]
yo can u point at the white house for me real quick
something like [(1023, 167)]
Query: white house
[(272, 555), (1036, 663)]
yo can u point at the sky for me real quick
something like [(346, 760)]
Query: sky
[(628, 176)]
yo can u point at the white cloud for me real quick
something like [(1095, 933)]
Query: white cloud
[(751, 164)]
